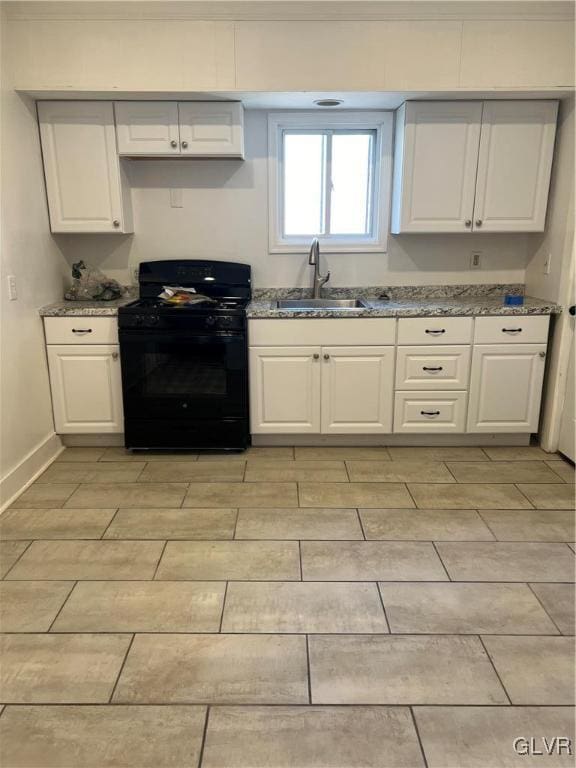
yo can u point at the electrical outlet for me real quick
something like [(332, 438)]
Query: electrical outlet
[(176, 197), (476, 260), (135, 274), (547, 264), (12, 292)]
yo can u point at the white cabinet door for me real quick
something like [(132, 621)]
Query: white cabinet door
[(436, 156), (86, 388), (357, 389), (285, 389), (147, 127), (516, 148), (84, 180), (211, 128), (506, 387)]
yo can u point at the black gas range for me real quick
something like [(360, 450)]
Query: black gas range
[(185, 367)]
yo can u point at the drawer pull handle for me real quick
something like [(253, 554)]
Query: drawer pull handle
[(511, 330), (430, 413), (81, 330), (435, 331), (432, 370)]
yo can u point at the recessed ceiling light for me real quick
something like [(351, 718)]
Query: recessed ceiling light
[(328, 102)]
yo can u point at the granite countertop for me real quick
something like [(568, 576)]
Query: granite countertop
[(85, 308)]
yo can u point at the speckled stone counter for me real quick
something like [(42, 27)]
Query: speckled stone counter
[(85, 308)]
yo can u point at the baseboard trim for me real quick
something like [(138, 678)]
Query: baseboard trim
[(31, 467), (397, 439), (106, 441)]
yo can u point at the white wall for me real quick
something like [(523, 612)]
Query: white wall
[(225, 216), (29, 253)]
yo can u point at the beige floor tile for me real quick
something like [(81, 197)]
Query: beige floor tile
[(230, 560), (483, 737), (391, 669), (559, 600), (10, 551), (311, 737), (128, 495), (303, 607), (425, 524), (530, 524), (370, 561), (172, 524), (464, 609), (286, 471), (92, 472), (131, 736), (469, 496), (193, 472), (105, 560), (254, 452), (438, 453), (44, 495), (298, 524), (502, 472), (572, 547), (31, 606), (235, 669), (535, 670), (241, 495), (314, 453), (503, 561), (398, 472), (60, 669), (75, 453), (518, 453), (354, 495), (122, 454), (142, 606), (549, 496), (563, 469), (54, 523)]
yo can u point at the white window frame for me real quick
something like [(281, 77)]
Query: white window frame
[(380, 122)]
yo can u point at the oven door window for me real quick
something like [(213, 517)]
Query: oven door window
[(200, 377)]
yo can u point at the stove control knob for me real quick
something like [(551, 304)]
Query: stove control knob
[(154, 319), (210, 320)]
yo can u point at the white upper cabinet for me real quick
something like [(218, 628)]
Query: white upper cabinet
[(147, 127), (473, 166), (184, 129), (85, 183), (436, 155), (516, 148), (211, 129)]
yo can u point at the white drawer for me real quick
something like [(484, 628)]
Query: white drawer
[(430, 411), (433, 367), (335, 331), (81, 330), (435, 330), (512, 329)]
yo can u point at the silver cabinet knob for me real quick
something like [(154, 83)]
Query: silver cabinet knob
[(184, 144), (478, 222), (316, 356), (326, 357), (174, 143), (468, 223), (116, 223), (115, 355)]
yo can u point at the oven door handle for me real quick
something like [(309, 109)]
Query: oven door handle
[(128, 336)]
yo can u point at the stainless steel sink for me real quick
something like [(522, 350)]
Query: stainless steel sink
[(326, 304)]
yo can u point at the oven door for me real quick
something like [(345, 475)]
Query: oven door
[(184, 376)]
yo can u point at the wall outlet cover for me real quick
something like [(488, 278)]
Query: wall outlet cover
[(12, 290), (547, 264), (476, 260)]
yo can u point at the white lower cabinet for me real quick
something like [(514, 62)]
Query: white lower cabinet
[(435, 412), (86, 388), (357, 389), (285, 390), (506, 387)]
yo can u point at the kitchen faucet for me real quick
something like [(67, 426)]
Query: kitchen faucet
[(314, 261)]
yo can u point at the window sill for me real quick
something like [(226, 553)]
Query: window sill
[(328, 248)]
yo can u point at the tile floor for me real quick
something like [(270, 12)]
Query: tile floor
[(289, 608)]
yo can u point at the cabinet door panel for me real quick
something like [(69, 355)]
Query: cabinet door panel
[(86, 388), (435, 166), (83, 175), (516, 148), (506, 387), (285, 390), (147, 127), (357, 389), (211, 129)]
